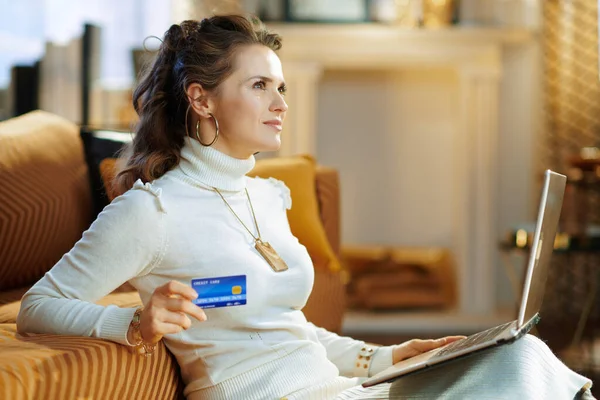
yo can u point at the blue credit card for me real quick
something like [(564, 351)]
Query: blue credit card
[(225, 291)]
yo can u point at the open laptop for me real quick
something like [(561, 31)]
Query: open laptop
[(531, 300)]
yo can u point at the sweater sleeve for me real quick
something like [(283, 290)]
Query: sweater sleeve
[(343, 352), (126, 240)]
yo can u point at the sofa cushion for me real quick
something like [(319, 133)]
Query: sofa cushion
[(328, 195), (10, 302), (42, 366), (108, 171), (327, 302), (44, 195)]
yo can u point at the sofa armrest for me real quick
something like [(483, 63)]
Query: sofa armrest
[(328, 196), (327, 302), (42, 366)]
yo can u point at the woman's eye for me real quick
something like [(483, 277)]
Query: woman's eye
[(282, 90), (259, 85)]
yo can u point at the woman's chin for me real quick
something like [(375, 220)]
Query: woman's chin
[(273, 144)]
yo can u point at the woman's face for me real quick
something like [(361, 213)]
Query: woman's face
[(249, 105)]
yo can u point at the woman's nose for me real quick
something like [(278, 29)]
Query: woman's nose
[(279, 103)]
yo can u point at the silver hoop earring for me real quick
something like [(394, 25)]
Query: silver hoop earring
[(216, 135)]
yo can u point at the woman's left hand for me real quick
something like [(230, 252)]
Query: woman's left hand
[(417, 346)]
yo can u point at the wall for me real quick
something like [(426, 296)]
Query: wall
[(390, 136)]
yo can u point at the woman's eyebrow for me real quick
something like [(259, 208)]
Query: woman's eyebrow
[(264, 78)]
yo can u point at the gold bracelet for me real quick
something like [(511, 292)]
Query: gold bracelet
[(140, 345)]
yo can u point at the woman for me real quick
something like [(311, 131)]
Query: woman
[(189, 215)]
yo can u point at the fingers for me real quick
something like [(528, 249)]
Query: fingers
[(407, 350), (450, 339), (173, 288), (415, 347), (177, 319), (425, 345), (446, 339), (168, 309), (435, 343), (186, 306), (161, 322), (167, 328), (422, 346), (428, 345)]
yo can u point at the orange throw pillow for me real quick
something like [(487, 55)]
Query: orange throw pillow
[(299, 174), (108, 171)]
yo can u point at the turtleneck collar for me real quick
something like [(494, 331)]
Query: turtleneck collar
[(209, 167)]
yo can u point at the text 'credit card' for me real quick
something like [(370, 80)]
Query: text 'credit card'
[(225, 291)]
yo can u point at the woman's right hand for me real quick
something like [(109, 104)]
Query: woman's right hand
[(166, 312)]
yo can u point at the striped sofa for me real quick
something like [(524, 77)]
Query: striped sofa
[(45, 205)]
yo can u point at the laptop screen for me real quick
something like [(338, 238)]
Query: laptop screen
[(542, 246)]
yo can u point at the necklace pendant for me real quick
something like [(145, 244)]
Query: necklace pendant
[(271, 256)]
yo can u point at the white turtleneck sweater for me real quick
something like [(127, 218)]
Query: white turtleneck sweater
[(178, 228)]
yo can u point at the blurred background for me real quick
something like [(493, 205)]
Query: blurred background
[(440, 116)]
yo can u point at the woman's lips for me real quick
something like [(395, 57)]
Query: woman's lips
[(275, 124)]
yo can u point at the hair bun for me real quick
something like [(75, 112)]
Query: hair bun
[(174, 38), (189, 27)]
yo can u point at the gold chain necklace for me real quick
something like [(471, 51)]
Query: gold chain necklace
[(263, 248)]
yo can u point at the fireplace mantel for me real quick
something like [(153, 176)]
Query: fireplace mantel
[(475, 54), (383, 47)]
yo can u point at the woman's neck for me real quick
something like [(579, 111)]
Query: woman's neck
[(225, 148), (213, 168)]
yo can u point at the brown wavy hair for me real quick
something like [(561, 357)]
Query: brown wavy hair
[(191, 52)]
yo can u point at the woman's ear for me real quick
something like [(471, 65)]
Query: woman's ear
[(198, 99)]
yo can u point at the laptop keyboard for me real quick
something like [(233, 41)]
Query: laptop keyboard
[(472, 340)]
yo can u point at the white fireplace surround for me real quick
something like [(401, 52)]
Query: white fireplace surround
[(475, 54)]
